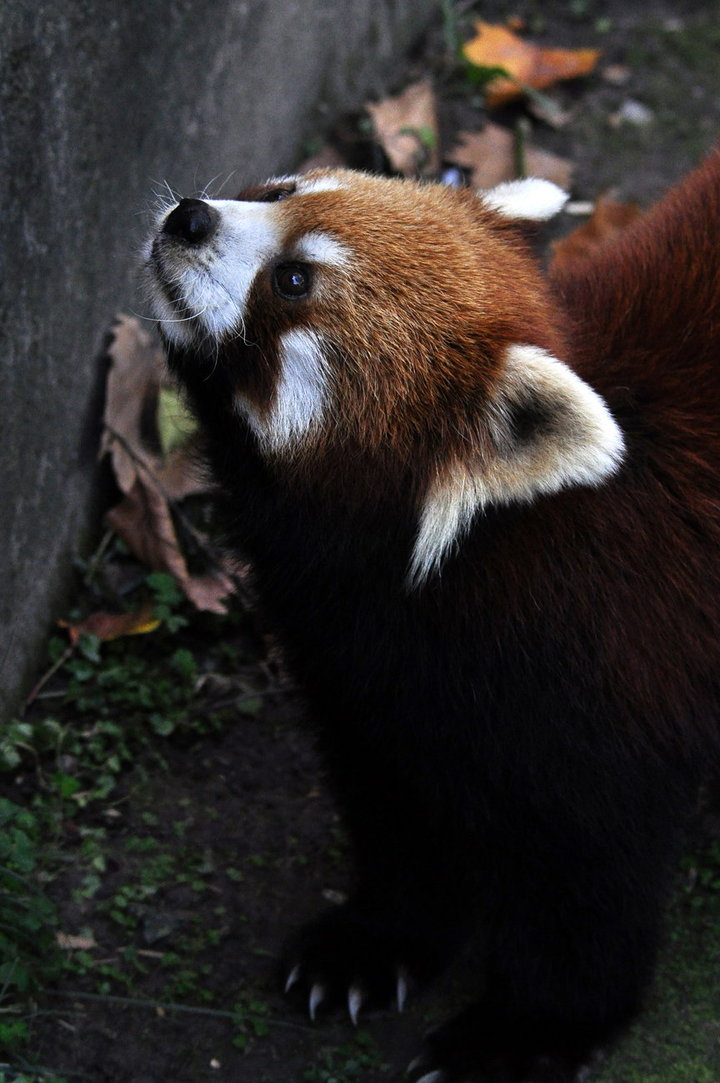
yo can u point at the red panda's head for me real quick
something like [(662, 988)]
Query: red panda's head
[(358, 319)]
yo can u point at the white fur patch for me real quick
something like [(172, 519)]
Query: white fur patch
[(301, 394), (214, 279), (319, 247), (446, 515), (317, 184), (533, 199), (576, 441)]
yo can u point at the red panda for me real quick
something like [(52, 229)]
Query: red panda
[(482, 514)]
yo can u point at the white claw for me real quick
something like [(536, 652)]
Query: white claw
[(355, 1003), (293, 978), (317, 995), (402, 989), (437, 1076)]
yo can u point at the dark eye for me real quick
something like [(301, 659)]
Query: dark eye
[(273, 195), (291, 280)]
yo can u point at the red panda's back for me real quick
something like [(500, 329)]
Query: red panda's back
[(645, 308)]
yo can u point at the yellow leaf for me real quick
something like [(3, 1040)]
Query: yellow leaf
[(527, 64), (108, 626)]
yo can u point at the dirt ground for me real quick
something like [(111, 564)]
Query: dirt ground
[(243, 812)]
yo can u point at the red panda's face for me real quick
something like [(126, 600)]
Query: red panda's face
[(367, 303), (355, 312)]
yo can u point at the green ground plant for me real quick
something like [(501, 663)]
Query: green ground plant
[(104, 707), (348, 1063)]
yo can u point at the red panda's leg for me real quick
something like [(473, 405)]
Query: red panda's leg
[(572, 936), (357, 955), (409, 914)]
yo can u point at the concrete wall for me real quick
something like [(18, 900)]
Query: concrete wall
[(100, 102)]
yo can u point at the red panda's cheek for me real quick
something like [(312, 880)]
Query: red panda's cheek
[(292, 411)]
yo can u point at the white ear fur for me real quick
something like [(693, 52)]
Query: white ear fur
[(533, 199), (571, 439)]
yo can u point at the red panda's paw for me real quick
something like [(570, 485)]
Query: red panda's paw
[(479, 1047), (353, 959)]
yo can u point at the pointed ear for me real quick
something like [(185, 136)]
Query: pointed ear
[(547, 430), (530, 200)]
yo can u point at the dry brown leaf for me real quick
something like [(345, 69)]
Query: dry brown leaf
[(144, 522), (608, 218), (71, 942), (541, 163), (528, 64), (407, 129), (207, 592), (149, 481), (133, 382), (490, 155), (108, 626), (181, 474)]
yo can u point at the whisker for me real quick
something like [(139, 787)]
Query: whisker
[(180, 319), (205, 190), (227, 180)]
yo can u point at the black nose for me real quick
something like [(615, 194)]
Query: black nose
[(192, 220)]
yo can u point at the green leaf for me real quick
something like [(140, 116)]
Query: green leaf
[(175, 422)]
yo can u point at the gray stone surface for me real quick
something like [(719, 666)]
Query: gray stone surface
[(100, 102)]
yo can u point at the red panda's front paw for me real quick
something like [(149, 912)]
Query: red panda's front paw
[(351, 958)]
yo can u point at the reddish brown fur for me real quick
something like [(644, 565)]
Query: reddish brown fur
[(516, 740), (459, 264), (645, 331)]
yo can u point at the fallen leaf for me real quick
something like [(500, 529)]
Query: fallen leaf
[(207, 592), (541, 163), (181, 474), (146, 428), (489, 154), (526, 64), (407, 129), (491, 157), (108, 626), (133, 383), (608, 219), (70, 942), (143, 520), (146, 422)]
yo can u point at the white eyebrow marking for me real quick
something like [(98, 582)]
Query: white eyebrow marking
[(301, 394), (320, 247), (319, 184)]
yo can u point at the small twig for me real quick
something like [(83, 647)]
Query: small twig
[(22, 1067), (94, 562), (522, 131), (6, 983), (66, 654), (188, 1009)]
